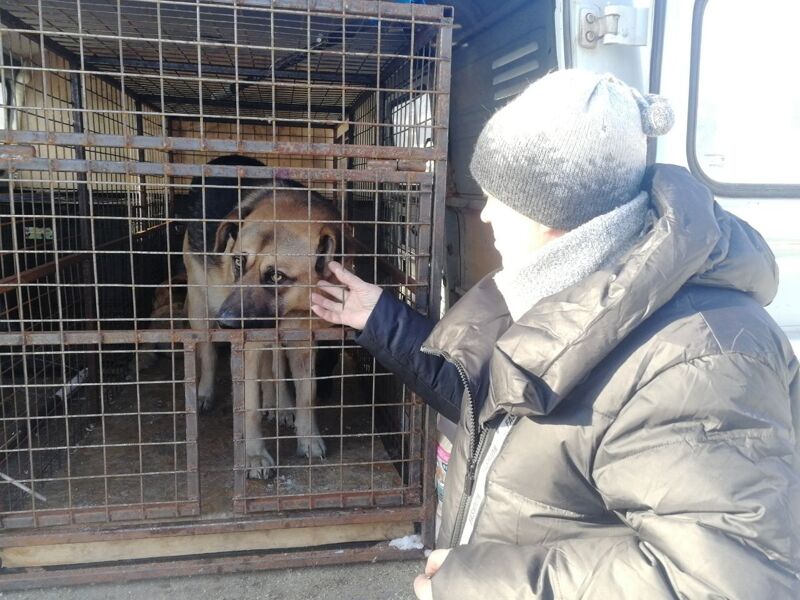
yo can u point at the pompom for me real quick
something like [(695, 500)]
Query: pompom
[(657, 115)]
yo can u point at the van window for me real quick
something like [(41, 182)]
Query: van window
[(748, 100)]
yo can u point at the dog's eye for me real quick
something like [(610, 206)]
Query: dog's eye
[(237, 264), (273, 277)]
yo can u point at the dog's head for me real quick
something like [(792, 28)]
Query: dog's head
[(276, 249)]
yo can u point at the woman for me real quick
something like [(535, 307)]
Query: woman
[(627, 410)]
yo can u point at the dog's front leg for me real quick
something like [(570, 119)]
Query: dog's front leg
[(309, 442), (276, 397), (207, 358), (259, 460)]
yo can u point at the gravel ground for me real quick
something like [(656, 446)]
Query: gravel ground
[(378, 581)]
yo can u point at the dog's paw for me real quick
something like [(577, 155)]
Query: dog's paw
[(205, 403), (311, 446), (286, 418), (259, 464)]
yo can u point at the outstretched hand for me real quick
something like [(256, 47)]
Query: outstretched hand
[(349, 304)]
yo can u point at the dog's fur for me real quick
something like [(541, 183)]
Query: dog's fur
[(168, 312), (247, 270)]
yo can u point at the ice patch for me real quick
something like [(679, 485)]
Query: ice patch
[(410, 542)]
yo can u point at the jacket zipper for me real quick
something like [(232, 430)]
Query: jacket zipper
[(477, 446)]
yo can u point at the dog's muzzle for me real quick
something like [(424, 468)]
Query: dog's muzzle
[(232, 320)]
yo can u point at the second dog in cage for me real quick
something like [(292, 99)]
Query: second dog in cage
[(253, 250)]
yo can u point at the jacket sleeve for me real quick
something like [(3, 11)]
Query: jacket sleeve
[(699, 466), (394, 335)]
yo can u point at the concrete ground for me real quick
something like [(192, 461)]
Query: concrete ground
[(378, 581)]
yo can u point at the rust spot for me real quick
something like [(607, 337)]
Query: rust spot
[(16, 152)]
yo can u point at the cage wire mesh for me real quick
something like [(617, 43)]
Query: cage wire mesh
[(176, 175)]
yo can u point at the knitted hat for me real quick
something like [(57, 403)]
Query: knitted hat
[(571, 147)]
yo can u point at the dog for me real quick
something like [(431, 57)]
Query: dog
[(168, 311), (254, 261)]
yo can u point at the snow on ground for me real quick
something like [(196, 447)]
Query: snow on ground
[(409, 542)]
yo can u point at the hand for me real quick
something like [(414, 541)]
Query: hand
[(422, 584), (351, 305)]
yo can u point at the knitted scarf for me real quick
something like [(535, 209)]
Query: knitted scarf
[(570, 258)]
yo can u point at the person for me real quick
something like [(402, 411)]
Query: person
[(627, 410)]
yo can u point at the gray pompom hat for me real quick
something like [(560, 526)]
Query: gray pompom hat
[(571, 147)]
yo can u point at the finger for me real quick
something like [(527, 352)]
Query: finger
[(328, 315), (335, 291), (422, 588), (435, 561), (345, 276), (322, 301)]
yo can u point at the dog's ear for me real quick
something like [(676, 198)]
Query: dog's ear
[(227, 230), (326, 250)]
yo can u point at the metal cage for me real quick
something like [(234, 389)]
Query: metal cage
[(114, 114)]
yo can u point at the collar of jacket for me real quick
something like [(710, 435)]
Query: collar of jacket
[(533, 364)]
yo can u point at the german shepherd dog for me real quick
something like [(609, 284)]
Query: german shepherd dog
[(252, 261)]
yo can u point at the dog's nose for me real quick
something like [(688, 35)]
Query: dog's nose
[(228, 320)]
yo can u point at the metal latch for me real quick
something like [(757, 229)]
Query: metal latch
[(615, 24)]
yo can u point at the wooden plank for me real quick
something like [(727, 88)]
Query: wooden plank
[(117, 550)]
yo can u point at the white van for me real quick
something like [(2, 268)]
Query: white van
[(725, 65)]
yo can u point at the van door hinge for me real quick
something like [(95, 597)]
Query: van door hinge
[(614, 24)]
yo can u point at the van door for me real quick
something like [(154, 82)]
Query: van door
[(724, 66)]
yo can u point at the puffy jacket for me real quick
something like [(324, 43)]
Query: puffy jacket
[(633, 436)]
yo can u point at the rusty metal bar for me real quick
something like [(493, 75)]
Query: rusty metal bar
[(140, 154), (189, 170), (190, 399), (262, 106), (239, 431), (186, 144), (424, 266), (86, 233), (368, 8), (438, 261), (342, 500), (172, 335), (188, 67), (84, 209), (44, 517)]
